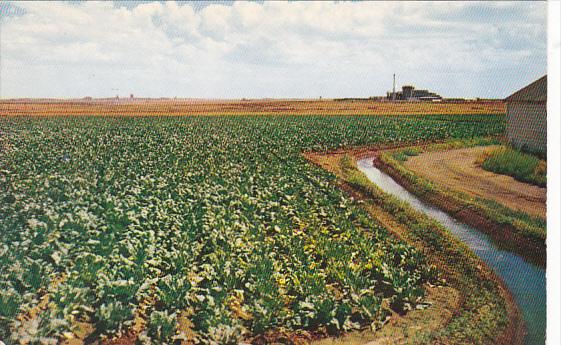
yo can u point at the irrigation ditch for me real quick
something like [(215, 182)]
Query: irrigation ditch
[(524, 279), (517, 279)]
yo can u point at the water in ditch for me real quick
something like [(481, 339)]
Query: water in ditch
[(525, 280)]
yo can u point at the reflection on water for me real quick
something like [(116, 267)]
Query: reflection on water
[(525, 280)]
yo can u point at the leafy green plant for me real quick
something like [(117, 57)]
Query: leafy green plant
[(162, 326), (173, 291), (112, 317)]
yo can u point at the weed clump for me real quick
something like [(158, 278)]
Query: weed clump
[(522, 166)]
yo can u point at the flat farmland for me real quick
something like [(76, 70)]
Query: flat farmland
[(212, 229), (145, 107)]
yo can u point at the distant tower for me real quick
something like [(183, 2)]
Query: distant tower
[(132, 96), (393, 93)]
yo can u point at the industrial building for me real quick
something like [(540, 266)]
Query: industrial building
[(526, 114), (409, 93)]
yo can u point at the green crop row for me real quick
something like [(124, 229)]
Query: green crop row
[(219, 218)]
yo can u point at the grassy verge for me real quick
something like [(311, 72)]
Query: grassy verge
[(513, 229), (486, 314), (522, 166)]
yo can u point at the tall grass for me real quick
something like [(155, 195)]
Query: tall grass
[(522, 166)]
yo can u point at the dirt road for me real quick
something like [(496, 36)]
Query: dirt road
[(457, 170)]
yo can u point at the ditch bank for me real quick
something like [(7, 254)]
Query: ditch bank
[(506, 235)]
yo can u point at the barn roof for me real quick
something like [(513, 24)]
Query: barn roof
[(535, 92)]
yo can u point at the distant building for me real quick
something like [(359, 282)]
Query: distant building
[(526, 116), (409, 93), (132, 96)]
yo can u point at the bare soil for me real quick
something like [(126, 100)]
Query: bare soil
[(457, 169)]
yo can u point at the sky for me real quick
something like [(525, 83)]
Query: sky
[(269, 49)]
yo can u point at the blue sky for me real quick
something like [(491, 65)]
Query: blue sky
[(271, 49)]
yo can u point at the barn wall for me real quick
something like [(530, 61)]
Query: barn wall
[(527, 125)]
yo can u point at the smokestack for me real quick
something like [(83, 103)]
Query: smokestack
[(393, 94)]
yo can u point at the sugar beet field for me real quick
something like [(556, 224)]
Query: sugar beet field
[(215, 228)]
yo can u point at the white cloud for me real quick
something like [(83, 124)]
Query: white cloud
[(271, 49)]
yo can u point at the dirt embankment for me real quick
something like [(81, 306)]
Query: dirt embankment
[(457, 169)]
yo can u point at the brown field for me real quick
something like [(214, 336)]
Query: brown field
[(144, 107)]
